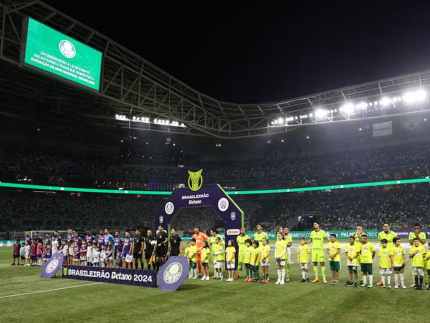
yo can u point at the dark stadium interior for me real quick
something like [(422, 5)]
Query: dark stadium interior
[(57, 134)]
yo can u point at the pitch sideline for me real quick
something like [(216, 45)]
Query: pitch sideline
[(48, 290)]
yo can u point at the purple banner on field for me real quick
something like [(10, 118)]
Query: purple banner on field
[(144, 278), (54, 264), (208, 195), (173, 274), (405, 233)]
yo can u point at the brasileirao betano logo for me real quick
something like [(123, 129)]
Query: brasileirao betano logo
[(195, 180)]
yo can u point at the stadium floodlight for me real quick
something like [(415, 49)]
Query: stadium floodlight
[(362, 105), (348, 108), (385, 101), (289, 119), (311, 115), (320, 113), (280, 121), (415, 96), (375, 103)]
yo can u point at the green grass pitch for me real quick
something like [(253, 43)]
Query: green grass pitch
[(204, 300)]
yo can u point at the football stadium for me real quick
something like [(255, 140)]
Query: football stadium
[(126, 194)]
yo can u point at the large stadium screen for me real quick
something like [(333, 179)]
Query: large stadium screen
[(56, 53)]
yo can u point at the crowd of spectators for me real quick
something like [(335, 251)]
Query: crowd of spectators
[(56, 166), (337, 209)]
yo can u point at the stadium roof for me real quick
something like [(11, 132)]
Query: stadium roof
[(133, 87)]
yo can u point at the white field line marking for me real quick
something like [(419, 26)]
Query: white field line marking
[(48, 290)]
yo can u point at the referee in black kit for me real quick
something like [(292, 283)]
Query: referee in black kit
[(160, 248), (174, 244), (139, 242)]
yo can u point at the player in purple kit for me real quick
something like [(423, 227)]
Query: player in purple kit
[(89, 237), (59, 239), (47, 239), (47, 252), (118, 242), (127, 249), (28, 237), (76, 253), (118, 256), (69, 235), (101, 240), (83, 254), (109, 250)]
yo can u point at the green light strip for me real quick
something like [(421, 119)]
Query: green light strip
[(277, 191)]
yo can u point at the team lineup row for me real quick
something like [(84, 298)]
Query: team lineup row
[(113, 251)]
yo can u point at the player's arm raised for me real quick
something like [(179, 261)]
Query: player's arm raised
[(309, 241)]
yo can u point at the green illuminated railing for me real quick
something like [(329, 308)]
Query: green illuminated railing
[(276, 191)]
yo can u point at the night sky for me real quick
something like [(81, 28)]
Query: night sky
[(245, 53)]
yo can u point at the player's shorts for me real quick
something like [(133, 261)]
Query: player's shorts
[(84, 258), (428, 272), (15, 255), (248, 266), (161, 251), (418, 271), (353, 268), (255, 268), (193, 264), (139, 256), (398, 268), (318, 256), (175, 252), (39, 256), (304, 266), (96, 264), (367, 268), (334, 265), (205, 264), (264, 264), (385, 271), (148, 255), (109, 258), (219, 264), (231, 265), (22, 257), (280, 262), (76, 259)]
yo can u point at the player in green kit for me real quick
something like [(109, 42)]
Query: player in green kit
[(353, 253), (241, 239), (367, 255), (416, 254), (422, 238), (260, 234), (398, 258), (357, 238), (214, 235), (385, 263), (317, 239), (388, 235), (280, 256), (289, 239), (333, 252)]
